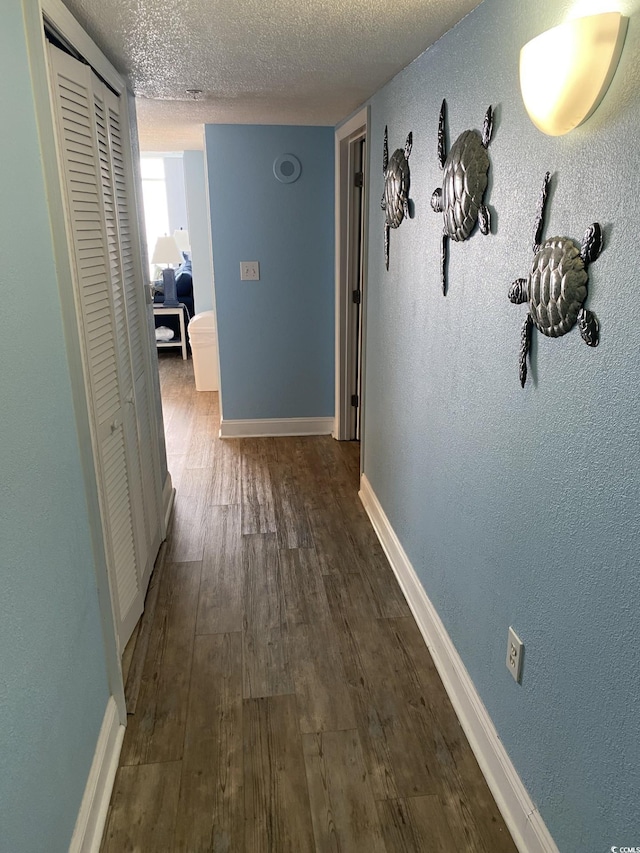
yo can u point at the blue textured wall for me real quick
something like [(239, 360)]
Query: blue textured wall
[(519, 507), (276, 335), (53, 683)]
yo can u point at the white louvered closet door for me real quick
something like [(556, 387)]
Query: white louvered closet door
[(138, 323), (91, 213), (123, 352)]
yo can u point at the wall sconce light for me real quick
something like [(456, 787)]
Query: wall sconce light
[(565, 72)]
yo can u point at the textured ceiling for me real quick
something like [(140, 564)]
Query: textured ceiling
[(259, 62)]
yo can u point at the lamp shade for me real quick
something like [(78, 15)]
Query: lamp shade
[(182, 240), (565, 72), (166, 252)]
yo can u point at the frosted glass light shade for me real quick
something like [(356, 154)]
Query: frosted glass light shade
[(565, 72), (166, 252), (182, 240)]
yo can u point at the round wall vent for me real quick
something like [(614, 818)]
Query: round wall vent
[(287, 168)]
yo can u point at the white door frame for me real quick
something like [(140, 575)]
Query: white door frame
[(346, 135)]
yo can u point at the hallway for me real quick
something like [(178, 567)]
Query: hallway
[(280, 695)]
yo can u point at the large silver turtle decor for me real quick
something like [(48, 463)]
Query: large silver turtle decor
[(395, 198), (463, 185), (556, 287)]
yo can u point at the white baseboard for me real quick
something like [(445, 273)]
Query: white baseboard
[(264, 427), (89, 827), (520, 814), (168, 497)]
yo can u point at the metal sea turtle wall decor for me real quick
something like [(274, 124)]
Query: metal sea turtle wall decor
[(395, 198), (556, 287), (464, 181)]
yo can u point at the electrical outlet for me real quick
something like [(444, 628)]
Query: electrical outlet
[(249, 271), (515, 655)]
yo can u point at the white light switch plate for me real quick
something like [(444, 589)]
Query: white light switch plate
[(249, 271), (515, 653)]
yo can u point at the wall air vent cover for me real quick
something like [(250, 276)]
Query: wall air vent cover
[(287, 168)]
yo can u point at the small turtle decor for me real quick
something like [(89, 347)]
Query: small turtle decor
[(463, 185), (556, 287), (395, 198)]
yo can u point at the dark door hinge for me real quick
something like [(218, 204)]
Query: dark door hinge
[(356, 295), (354, 400), (358, 179)]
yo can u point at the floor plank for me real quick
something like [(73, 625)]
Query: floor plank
[(211, 806), (226, 471), (470, 808), (200, 452), (258, 514), (383, 589), (156, 731), (371, 657), (277, 812), (292, 524), (143, 633), (373, 737), (302, 584), (333, 546), (322, 691), (127, 655), (220, 606), (418, 825), (143, 809), (186, 541), (266, 668), (342, 805), (176, 465), (350, 595), (195, 483), (177, 428)]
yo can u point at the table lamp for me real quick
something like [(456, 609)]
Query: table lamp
[(167, 252)]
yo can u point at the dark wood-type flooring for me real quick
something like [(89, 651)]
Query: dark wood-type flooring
[(280, 695)]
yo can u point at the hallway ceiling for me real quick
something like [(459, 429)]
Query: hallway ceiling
[(258, 61)]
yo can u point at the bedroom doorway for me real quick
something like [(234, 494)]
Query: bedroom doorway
[(351, 253), (356, 285)]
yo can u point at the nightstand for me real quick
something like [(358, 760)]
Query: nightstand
[(159, 310)]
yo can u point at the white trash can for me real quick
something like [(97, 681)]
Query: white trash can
[(202, 337)]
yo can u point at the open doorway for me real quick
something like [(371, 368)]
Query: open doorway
[(356, 284), (351, 238), (175, 198)]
